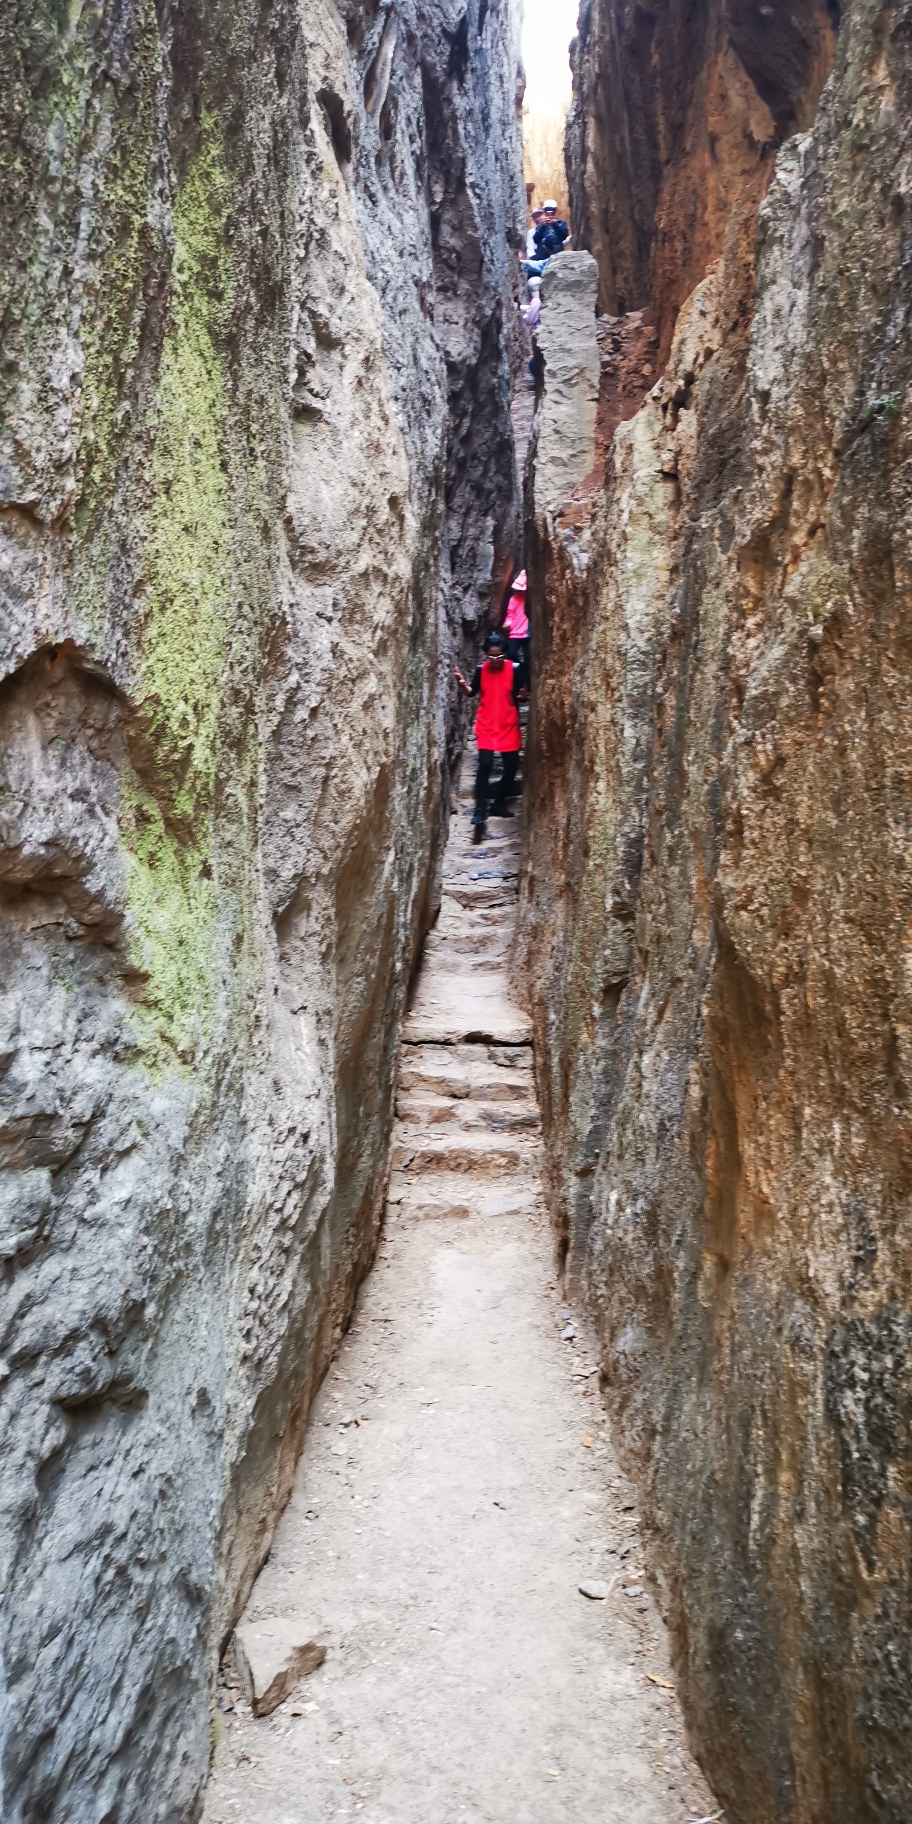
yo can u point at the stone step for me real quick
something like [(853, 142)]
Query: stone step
[(424, 1111), (503, 919), (489, 854), (438, 1196), (458, 889), (446, 958), (481, 866), (488, 859), (483, 893), (464, 1152), (500, 917), (492, 941), (466, 953), (451, 1007), (469, 1060), (495, 933), (480, 1082), (491, 946)]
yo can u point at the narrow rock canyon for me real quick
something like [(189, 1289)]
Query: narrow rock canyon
[(587, 1494)]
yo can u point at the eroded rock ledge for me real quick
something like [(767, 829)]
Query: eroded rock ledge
[(256, 475), (714, 907)]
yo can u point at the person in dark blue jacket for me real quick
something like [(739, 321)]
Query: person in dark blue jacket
[(550, 234)]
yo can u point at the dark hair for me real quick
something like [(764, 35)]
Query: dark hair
[(495, 642)]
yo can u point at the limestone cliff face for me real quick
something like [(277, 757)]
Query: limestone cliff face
[(677, 117), (716, 916), (256, 479)]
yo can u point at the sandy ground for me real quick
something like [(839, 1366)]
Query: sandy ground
[(457, 1486)]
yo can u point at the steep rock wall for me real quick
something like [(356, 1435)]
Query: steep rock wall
[(715, 937), (677, 116), (255, 391)]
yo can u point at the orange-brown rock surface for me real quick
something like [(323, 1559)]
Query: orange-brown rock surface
[(716, 888), (678, 114)]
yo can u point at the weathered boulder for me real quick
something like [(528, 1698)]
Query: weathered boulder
[(255, 291), (714, 910)]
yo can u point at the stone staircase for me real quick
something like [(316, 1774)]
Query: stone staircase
[(467, 1135)]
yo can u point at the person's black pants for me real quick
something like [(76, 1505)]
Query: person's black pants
[(504, 787)]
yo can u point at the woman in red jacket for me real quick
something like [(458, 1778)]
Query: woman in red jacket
[(497, 729)]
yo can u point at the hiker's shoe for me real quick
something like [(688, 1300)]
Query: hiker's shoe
[(478, 819), (500, 810)]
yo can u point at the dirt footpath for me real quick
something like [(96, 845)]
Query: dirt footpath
[(458, 1484)]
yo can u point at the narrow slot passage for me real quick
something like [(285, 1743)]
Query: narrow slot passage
[(457, 1483)]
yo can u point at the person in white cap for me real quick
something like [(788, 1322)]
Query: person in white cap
[(550, 235)]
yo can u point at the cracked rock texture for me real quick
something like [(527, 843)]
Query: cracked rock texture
[(715, 897), (256, 486), (677, 115)]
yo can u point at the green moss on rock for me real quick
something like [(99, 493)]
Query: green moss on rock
[(188, 564), (172, 914), (186, 636)]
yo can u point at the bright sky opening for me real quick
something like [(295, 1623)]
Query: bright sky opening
[(548, 26)]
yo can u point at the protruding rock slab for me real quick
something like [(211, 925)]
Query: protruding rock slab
[(271, 1656), (565, 425)]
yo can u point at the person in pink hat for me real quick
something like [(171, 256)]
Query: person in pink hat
[(516, 628)]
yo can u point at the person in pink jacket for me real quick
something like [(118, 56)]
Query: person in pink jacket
[(516, 628)]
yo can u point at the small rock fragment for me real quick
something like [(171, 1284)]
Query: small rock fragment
[(594, 1589), (568, 1333), (272, 1655), (633, 1589)]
